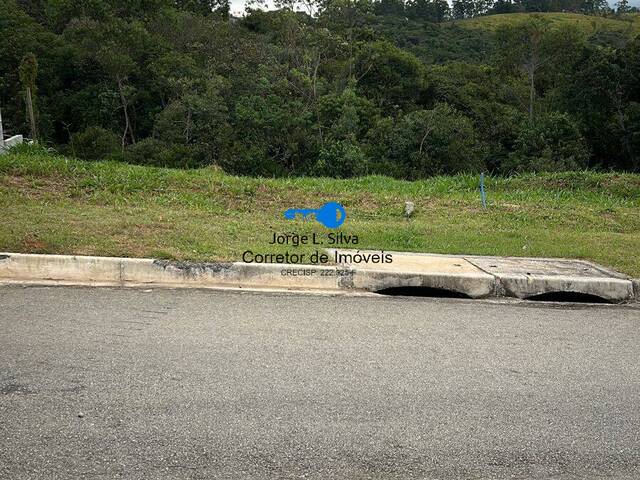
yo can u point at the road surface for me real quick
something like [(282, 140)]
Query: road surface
[(173, 384)]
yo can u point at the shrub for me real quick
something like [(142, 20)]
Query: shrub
[(340, 159), (94, 143), (26, 148), (552, 143), (426, 142), (161, 154)]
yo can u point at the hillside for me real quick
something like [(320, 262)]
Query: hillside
[(473, 40), (629, 24), (344, 94)]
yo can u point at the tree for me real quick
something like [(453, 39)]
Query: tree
[(538, 6), (503, 6), (352, 87), (552, 143), (389, 7), (622, 6), (490, 100), (430, 10), (119, 66), (310, 7), (462, 9), (591, 7), (119, 47), (532, 45), (470, 8), (392, 77), (601, 93), (625, 96), (199, 118), (347, 17), (28, 75), (426, 142), (205, 7)]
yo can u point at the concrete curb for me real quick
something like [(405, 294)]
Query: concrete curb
[(55, 269), (479, 283), (136, 272)]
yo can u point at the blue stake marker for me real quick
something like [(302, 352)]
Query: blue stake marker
[(483, 195)]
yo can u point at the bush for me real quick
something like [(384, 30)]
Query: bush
[(94, 143), (161, 154), (552, 143), (426, 142), (630, 135), (340, 159)]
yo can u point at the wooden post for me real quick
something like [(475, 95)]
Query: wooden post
[(32, 118)]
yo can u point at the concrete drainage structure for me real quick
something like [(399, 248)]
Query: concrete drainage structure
[(422, 274), (535, 277)]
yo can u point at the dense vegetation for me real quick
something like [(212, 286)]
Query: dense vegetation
[(357, 88)]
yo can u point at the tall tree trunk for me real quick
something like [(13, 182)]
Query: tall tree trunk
[(532, 95), (125, 107), (187, 127), (625, 135), (314, 93), (32, 117)]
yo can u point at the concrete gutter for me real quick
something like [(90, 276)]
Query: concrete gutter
[(473, 276), (519, 277), (531, 277)]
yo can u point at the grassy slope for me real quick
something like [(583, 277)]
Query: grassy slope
[(472, 40), (589, 23), (56, 205)]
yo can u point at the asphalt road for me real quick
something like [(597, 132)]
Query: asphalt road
[(121, 383)]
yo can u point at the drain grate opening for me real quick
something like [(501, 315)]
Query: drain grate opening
[(568, 297), (421, 292)]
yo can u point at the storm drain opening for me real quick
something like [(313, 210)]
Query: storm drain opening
[(568, 297), (421, 292)]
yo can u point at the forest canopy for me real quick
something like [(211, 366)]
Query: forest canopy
[(335, 88)]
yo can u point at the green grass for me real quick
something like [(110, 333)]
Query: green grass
[(629, 23), (52, 204)]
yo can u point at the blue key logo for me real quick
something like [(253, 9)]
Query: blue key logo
[(331, 214)]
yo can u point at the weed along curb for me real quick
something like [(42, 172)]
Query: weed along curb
[(466, 276)]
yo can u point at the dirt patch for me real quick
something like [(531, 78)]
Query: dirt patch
[(17, 183), (35, 188), (32, 244)]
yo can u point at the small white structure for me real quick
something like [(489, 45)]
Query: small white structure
[(9, 142)]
